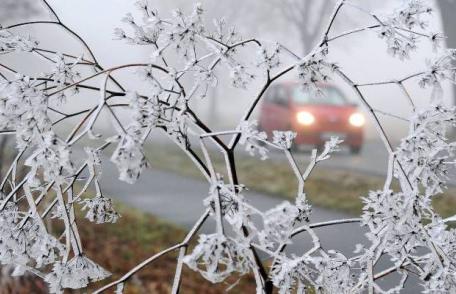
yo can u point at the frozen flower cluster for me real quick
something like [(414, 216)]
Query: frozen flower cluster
[(10, 42), (283, 139), (400, 29), (187, 34), (100, 210), (142, 35), (232, 203), (24, 241), (278, 224), (219, 257), (64, 73), (439, 70), (179, 32), (426, 153), (405, 222), (287, 274), (146, 114), (45, 190), (252, 139), (93, 160), (315, 70), (177, 129), (412, 14), (75, 274), (329, 273), (224, 33), (384, 209), (331, 146), (269, 58), (23, 107), (52, 157), (206, 78), (129, 156), (240, 77)]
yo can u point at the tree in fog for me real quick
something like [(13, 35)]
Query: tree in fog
[(17, 9), (307, 17)]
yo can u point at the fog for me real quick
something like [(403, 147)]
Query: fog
[(363, 56)]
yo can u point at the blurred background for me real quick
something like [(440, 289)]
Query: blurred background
[(295, 23)]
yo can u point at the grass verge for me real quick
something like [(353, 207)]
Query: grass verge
[(329, 188)]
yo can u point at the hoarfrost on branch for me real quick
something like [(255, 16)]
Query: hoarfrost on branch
[(401, 224)]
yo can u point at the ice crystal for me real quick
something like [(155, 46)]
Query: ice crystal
[(279, 223), (10, 42), (251, 138), (23, 107), (397, 29), (439, 70), (220, 257), (100, 210), (129, 157), (331, 146), (269, 58), (283, 139), (74, 274), (315, 70), (52, 157)]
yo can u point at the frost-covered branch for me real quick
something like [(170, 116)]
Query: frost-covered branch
[(400, 224)]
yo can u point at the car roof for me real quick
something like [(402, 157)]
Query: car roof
[(294, 83)]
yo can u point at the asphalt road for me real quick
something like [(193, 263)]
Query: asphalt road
[(373, 159), (180, 200)]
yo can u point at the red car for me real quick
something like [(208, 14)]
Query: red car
[(315, 118)]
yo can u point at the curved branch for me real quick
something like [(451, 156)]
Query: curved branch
[(143, 264)]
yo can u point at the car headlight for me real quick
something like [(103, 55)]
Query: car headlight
[(305, 118), (357, 120)]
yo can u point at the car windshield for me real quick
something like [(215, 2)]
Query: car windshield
[(330, 96)]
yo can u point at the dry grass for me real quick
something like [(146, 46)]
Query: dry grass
[(121, 246), (137, 235)]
